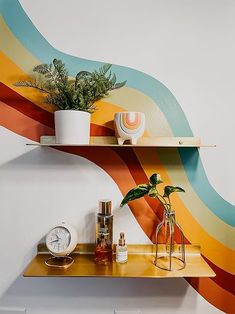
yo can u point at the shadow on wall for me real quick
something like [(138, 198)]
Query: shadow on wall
[(68, 295), (86, 294)]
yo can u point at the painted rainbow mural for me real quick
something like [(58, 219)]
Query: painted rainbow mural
[(205, 217)]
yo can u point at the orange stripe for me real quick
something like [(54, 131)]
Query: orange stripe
[(10, 73), (114, 166), (214, 250), (219, 297), (132, 125), (120, 173), (118, 170)]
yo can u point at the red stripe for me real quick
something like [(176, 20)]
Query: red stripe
[(213, 293), (222, 278), (23, 105), (100, 157), (129, 157), (28, 108)]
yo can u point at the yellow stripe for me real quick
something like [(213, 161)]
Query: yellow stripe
[(15, 50), (131, 100), (10, 74), (207, 219), (215, 251)]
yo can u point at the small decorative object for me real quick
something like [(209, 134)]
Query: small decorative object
[(104, 233), (73, 98), (172, 256), (121, 250), (129, 126), (61, 241)]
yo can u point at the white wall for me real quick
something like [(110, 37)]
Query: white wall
[(185, 44)]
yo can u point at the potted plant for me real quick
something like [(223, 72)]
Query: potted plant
[(73, 98), (165, 260)]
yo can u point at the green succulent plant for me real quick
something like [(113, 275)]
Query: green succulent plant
[(151, 190), (72, 94)]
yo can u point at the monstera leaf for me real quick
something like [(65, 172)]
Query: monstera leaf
[(170, 189), (139, 191)]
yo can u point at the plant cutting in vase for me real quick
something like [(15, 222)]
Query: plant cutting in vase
[(72, 95), (150, 189), (168, 222)]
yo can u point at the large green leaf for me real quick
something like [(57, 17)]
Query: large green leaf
[(170, 189), (138, 192)]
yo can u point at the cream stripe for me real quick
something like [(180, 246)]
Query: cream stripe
[(15, 50), (157, 125), (133, 100), (213, 225)]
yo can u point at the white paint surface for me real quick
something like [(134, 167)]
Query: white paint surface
[(185, 44), (12, 310)]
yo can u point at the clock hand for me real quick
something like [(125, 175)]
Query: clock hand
[(54, 241)]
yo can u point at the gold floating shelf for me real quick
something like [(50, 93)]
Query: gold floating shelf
[(111, 141), (140, 264)]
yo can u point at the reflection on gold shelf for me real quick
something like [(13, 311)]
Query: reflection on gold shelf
[(140, 264), (111, 141)]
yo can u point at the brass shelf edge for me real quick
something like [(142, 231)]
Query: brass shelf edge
[(111, 141), (88, 248), (140, 264)]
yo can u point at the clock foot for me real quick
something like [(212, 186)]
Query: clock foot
[(59, 262)]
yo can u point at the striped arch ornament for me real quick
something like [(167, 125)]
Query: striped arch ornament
[(204, 215), (129, 126)]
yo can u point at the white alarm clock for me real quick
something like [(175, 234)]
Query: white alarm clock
[(61, 241)]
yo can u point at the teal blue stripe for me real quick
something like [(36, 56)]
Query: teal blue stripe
[(197, 177), (28, 35)]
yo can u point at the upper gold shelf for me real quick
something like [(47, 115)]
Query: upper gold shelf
[(140, 264), (111, 141)]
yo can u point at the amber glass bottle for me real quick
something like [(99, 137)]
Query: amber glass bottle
[(104, 233)]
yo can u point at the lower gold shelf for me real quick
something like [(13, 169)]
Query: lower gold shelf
[(140, 265)]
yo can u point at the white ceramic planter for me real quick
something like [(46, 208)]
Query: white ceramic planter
[(72, 127)]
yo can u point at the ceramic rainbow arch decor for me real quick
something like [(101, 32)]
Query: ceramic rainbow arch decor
[(206, 218), (129, 126)]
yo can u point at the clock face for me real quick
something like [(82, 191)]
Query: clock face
[(58, 240)]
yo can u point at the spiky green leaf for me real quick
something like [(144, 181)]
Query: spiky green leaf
[(105, 68), (78, 94), (42, 69), (119, 85)]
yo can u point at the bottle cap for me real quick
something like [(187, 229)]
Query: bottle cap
[(121, 239), (105, 207)]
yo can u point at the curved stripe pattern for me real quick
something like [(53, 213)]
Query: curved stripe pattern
[(123, 182), (24, 30), (204, 215), (218, 229), (115, 169)]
